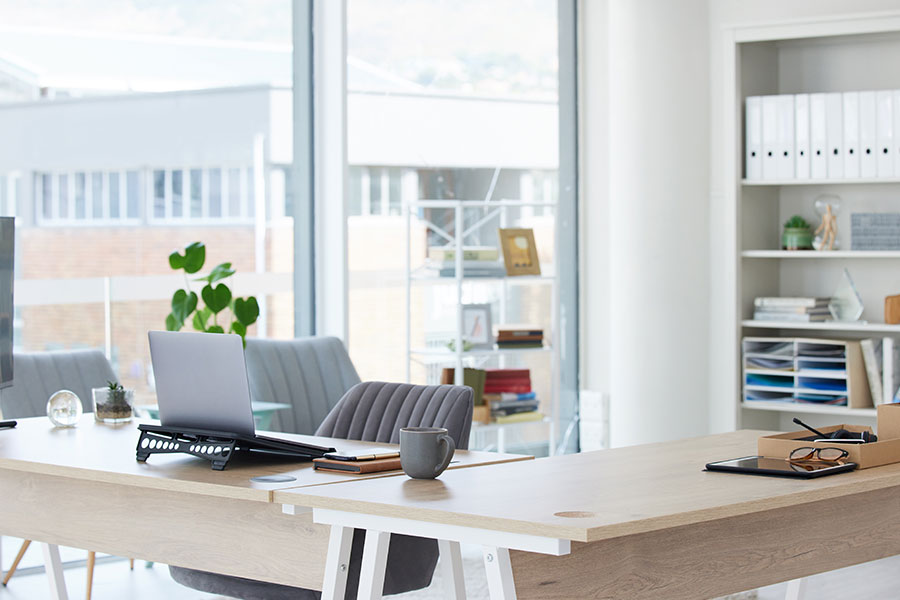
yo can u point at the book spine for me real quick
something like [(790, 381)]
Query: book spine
[(794, 302)]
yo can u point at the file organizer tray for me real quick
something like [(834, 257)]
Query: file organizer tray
[(216, 446)]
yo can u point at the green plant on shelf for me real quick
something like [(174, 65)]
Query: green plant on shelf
[(216, 296), (796, 222)]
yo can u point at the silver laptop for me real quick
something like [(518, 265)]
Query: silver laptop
[(201, 381)]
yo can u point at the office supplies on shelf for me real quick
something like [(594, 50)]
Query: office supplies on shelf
[(890, 352), (850, 103), (834, 131), (519, 337), (818, 142), (772, 302), (895, 110), (892, 309), (769, 137), (363, 466), (884, 123), (786, 137), (871, 350), (7, 424), (471, 254), (875, 231), (868, 136), (801, 144), (753, 139)]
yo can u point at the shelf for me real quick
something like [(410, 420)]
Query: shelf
[(814, 254), (796, 407), (450, 354), (489, 426), (826, 326), (478, 204), (516, 279), (782, 182)]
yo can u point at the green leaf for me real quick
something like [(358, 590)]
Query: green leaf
[(173, 324), (215, 329), (217, 298), (192, 260), (246, 311), (220, 272), (183, 304), (239, 328), (176, 261), (200, 318), (194, 257)]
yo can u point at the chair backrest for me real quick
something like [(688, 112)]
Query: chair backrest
[(375, 411), (37, 375), (311, 374)]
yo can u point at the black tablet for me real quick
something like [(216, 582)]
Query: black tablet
[(761, 465)]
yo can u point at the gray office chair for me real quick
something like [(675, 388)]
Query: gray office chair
[(311, 374), (374, 412), (36, 376)]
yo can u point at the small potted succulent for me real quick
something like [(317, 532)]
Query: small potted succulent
[(797, 234), (113, 403)]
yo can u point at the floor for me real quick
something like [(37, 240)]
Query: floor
[(113, 580)]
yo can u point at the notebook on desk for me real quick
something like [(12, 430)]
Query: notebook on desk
[(202, 390)]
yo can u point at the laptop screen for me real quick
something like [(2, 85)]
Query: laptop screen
[(201, 381)]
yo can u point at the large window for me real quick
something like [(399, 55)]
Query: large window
[(137, 128)]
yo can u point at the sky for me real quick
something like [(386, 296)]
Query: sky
[(483, 47)]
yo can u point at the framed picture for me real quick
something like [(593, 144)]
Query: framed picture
[(519, 252), (477, 326)]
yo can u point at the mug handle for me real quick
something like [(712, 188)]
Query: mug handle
[(448, 456)]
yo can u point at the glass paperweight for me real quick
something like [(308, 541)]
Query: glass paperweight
[(64, 409), (828, 206), (846, 305)]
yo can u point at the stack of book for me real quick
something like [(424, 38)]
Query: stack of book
[(509, 336), (798, 309), (510, 397), (478, 261)]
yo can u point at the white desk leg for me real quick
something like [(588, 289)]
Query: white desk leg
[(374, 561), (452, 570), (337, 563), (499, 573), (796, 589), (54, 568)]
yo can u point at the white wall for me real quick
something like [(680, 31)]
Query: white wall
[(645, 181), (729, 13)]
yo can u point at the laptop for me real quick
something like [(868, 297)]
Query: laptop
[(202, 387)]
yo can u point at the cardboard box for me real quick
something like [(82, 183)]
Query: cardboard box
[(883, 452)]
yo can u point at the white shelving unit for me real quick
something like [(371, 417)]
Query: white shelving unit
[(488, 212), (792, 57)]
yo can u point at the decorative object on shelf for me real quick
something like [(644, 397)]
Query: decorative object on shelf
[(797, 235), (875, 231), (827, 207), (113, 404), (215, 297), (846, 305), (64, 409), (892, 310), (519, 252), (477, 325)]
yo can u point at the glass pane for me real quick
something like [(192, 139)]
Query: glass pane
[(115, 205), (133, 194), (375, 185), (47, 195), (63, 198), (97, 195), (80, 185), (215, 193), (251, 193), (196, 193), (234, 193), (159, 194), (354, 192), (394, 197), (177, 204)]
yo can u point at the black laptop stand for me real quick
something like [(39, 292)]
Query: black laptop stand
[(216, 446)]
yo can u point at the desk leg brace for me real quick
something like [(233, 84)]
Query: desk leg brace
[(337, 563), (53, 565), (499, 573)]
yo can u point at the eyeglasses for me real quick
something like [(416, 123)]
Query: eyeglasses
[(823, 454)]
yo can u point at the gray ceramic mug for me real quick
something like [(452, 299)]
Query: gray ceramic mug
[(425, 451)]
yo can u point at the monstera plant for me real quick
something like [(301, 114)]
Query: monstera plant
[(216, 295)]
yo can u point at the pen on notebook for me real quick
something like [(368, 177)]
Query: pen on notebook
[(7, 424)]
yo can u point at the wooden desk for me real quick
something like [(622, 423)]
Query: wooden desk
[(639, 522), (82, 487)]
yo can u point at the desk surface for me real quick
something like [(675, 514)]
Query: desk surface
[(106, 453), (594, 495)]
